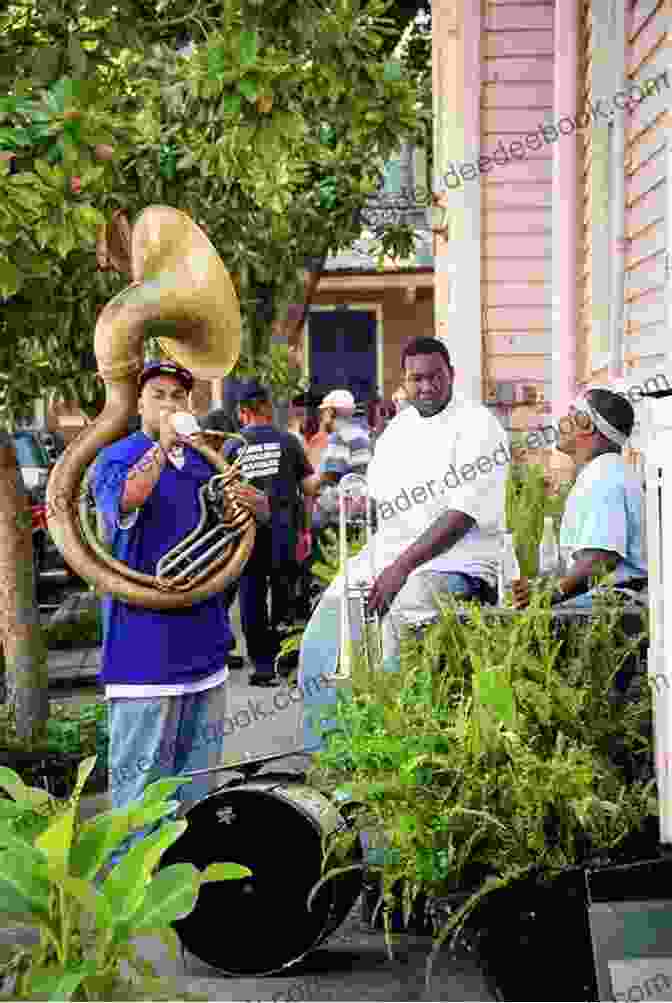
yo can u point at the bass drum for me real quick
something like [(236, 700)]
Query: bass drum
[(276, 827)]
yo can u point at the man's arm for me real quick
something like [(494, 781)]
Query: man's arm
[(142, 479), (143, 476), (588, 563), (479, 501), (443, 534)]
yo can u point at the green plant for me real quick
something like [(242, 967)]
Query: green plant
[(73, 731), (528, 500), (49, 861), (499, 747), (328, 566), (275, 371), (105, 108)]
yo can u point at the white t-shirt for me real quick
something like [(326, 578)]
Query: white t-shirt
[(424, 467)]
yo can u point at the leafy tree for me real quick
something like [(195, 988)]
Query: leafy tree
[(268, 123), (271, 128)]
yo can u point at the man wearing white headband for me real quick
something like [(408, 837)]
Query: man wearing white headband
[(604, 515)]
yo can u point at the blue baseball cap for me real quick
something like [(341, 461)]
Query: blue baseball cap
[(158, 368), (252, 390)]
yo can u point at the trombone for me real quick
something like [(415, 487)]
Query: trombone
[(354, 487)]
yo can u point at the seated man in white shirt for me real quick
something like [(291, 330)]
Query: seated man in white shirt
[(603, 524), (439, 497)]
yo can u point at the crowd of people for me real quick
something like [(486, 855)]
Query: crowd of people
[(446, 540)]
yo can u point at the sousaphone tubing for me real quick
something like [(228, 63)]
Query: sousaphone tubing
[(182, 293)]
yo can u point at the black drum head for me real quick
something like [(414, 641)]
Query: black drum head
[(260, 924)]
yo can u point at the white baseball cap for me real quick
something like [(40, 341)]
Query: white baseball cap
[(340, 399)]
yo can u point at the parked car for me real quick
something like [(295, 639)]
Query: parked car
[(33, 448)]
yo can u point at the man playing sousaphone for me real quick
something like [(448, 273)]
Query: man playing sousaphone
[(439, 505), (164, 671), (175, 525)]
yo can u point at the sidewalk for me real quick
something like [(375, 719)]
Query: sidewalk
[(353, 964)]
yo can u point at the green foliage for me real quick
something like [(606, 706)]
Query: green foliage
[(49, 859), (498, 747), (529, 500), (52, 207), (231, 130), (72, 732), (275, 371)]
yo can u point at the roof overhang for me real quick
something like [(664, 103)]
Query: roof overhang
[(407, 282)]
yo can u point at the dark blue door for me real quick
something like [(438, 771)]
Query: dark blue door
[(342, 352)]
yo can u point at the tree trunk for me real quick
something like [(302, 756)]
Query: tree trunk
[(24, 648)]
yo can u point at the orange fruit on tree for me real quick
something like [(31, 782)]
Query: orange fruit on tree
[(103, 151)]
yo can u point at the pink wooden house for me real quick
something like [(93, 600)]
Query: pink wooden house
[(552, 154)]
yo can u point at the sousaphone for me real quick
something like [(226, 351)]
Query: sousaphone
[(180, 287)]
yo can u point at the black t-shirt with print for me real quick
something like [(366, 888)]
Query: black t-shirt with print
[(275, 463)]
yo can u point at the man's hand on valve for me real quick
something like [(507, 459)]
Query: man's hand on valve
[(253, 500)]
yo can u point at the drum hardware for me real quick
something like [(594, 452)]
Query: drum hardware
[(248, 767), (350, 488), (226, 815), (279, 828)]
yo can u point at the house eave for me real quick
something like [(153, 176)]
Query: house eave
[(408, 280)]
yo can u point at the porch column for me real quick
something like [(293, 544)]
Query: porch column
[(618, 19), (564, 215), (456, 79)]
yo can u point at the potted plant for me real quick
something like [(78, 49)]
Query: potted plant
[(493, 769), (50, 881)]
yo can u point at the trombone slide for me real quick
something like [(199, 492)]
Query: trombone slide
[(370, 637)]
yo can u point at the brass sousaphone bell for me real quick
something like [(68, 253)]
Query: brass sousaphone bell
[(181, 286)]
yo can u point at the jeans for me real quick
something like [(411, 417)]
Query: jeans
[(158, 737), (320, 644)]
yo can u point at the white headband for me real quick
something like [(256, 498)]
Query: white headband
[(600, 423)]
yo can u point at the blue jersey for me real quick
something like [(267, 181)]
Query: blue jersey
[(145, 646)]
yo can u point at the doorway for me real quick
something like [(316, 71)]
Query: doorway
[(343, 350)]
